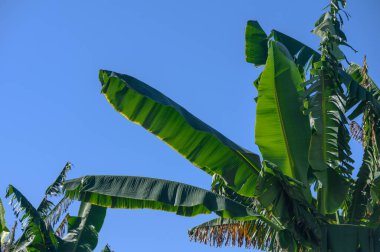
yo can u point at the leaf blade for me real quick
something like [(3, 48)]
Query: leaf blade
[(196, 141), (282, 132), (139, 192)]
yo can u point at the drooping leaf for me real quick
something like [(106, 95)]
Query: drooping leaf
[(195, 140), (228, 232), (139, 193), (256, 48), (282, 132), (83, 229)]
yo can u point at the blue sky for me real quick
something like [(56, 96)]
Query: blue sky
[(193, 51)]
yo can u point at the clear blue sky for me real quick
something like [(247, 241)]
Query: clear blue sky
[(193, 51)]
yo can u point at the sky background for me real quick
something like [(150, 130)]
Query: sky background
[(193, 51)]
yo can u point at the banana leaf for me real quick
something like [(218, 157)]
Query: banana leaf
[(358, 93), (329, 147), (256, 48), (199, 143), (83, 229), (139, 193), (282, 131), (37, 236)]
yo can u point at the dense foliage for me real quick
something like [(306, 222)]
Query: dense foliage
[(298, 195), (45, 228), (302, 196)]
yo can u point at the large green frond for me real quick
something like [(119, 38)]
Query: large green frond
[(139, 192), (282, 132), (199, 143)]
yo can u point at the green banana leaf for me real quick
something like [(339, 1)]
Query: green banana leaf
[(199, 143), (47, 207), (139, 193), (256, 48), (324, 28), (282, 131), (256, 44), (83, 229), (37, 236), (57, 211), (301, 52), (358, 93), (327, 148)]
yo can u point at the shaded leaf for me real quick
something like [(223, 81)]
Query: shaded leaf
[(83, 229), (37, 235), (329, 152), (139, 193), (256, 48)]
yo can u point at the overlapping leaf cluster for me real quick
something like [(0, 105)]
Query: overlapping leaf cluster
[(302, 196), (38, 233)]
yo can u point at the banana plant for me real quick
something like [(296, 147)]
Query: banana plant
[(302, 196), (41, 230)]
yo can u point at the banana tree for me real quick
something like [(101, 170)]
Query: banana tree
[(302, 196), (41, 230)]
